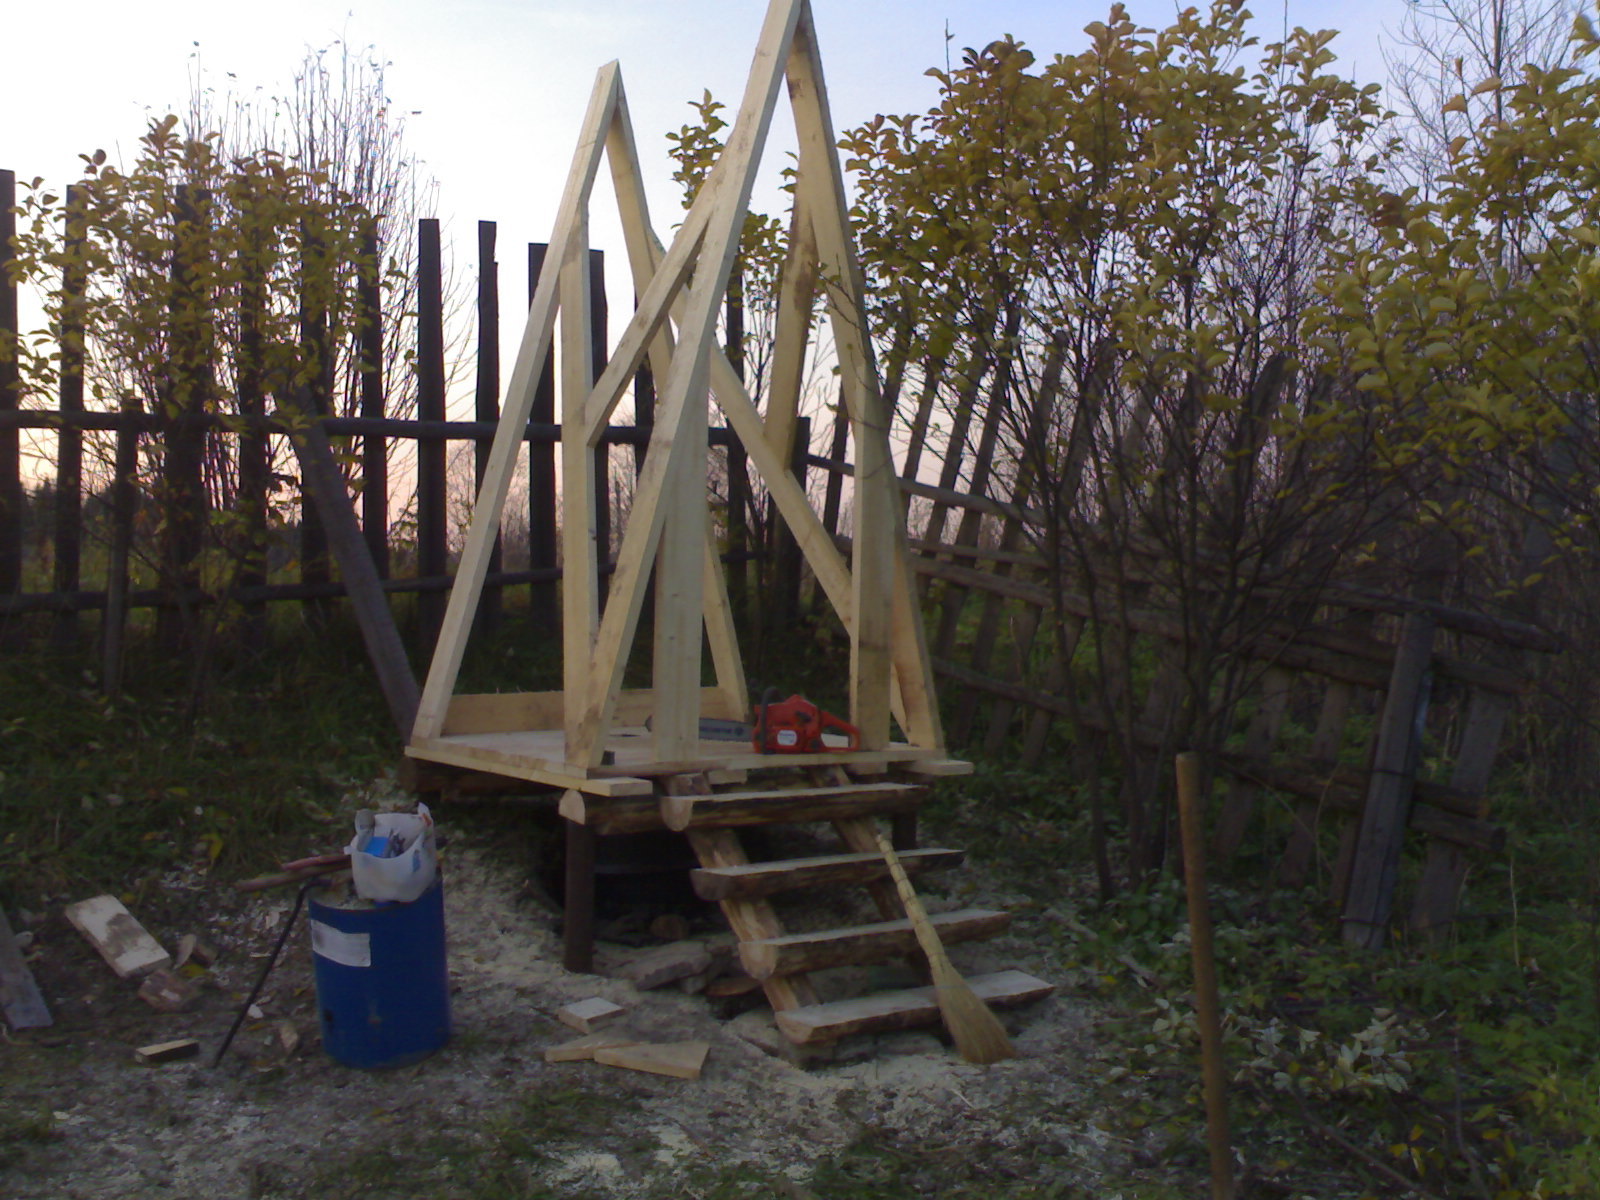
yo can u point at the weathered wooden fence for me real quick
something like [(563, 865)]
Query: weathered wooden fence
[(1376, 716), (372, 428)]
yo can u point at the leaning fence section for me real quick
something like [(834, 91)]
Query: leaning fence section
[(1364, 726)]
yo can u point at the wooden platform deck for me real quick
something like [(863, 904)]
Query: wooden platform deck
[(631, 766)]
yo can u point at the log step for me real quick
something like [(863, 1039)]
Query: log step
[(722, 809), (902, 1010), (795, 953), (771, 878)]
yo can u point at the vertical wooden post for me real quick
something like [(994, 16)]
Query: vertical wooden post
[(834, 497), (124, 498), (577, 928), (432, 531), (1207, 1011), (970, 527), (644, 410), (580, 553), (254, 450), (488, 399), (69, 444), (183, 497), (1376, 866), (598, 349), (542, 474), (738, 566), (374, 446), (11, 501), (786, 551), (317, 348)]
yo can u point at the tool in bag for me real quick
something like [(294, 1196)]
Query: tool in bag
[(795, 725)]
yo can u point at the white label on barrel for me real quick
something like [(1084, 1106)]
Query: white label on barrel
[(335, 945)]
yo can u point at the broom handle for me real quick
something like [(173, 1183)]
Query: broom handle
[(927, 936)]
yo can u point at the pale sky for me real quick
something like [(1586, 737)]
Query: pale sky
[(499, 87)]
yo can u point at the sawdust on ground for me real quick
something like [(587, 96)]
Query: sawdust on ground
[(279, 1118)]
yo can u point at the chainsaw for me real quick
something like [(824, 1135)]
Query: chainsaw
[(795, 725)]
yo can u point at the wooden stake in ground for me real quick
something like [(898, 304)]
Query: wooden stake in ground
[(978, 1034), (1205, 977)]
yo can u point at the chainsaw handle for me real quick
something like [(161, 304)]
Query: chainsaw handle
[(829, 721)]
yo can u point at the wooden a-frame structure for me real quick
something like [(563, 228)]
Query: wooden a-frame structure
[(587, 737)]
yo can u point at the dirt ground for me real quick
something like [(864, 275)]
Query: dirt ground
[(486, 1116)]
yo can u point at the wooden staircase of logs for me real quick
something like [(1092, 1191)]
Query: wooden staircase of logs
[(783, 961)]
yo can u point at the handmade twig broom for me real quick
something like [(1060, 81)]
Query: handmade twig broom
[(977, 1032)]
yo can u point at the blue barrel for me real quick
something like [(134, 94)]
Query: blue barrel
[(383, 987)]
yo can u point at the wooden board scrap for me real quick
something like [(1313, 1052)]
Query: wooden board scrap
[(20, 998), (192, 949), (160, 1052), (681, 1060), (165, 991), (583, 1049), (111, 929), (588, 1015)]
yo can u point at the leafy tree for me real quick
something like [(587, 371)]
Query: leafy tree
[(193, 273), (1124, 244)]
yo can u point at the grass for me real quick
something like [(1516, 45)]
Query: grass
[(23, 1132), (105, 793), (1470, 1069), (507, 1156)]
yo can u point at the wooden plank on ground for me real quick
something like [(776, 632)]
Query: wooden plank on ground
[(20, 997), (681, 1060), (583, 1049), (586, 1016), (128, 949)]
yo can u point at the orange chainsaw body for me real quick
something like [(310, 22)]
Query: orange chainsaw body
[(795, 725)]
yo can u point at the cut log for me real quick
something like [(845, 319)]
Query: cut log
[(797, 952), (666, 964), (732, 985), (771, 878), (903, 1009), (681, 1060), (617, 814), (679, 812), (122, 941)]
